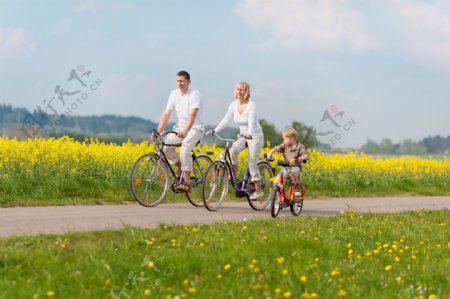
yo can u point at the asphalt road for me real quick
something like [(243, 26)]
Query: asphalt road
[(60, 219)]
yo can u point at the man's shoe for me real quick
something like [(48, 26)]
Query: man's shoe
[(186, 187), (255, 195)]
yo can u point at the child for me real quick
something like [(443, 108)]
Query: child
[(294, 152)]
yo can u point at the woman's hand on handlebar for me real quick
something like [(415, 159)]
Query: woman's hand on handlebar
[(210, 132), (248, 136)]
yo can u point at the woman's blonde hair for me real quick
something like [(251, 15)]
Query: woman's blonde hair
[(289, 133), (247, 89)]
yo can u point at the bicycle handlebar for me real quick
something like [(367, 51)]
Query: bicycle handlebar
[(227, 139)]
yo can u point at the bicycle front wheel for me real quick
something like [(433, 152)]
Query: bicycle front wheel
[(200, 164), (215, 185), (297, 204), (149, 180), (267, 173), (275, 205)]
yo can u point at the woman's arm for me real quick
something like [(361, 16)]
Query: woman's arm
[(252, 118), (226, 119)]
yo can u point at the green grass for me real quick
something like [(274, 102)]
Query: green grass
[(403, 255)]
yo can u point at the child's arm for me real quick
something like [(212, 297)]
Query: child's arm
[(275, 149), (304, 156)]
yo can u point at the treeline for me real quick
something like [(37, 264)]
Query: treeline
[(119, 129), (428, 145), (108, 128)]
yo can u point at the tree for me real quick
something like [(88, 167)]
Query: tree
[(305, 135), (387, 146), (371, 147), (270, 133)]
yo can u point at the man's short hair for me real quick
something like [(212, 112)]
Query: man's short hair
[(184, 74), (289, 133)]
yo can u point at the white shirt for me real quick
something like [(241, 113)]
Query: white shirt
[(183, 104), (247, 121)]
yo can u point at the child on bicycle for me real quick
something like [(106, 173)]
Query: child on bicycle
[(294, 152)]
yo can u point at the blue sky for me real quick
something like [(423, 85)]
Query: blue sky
[(384, 64)]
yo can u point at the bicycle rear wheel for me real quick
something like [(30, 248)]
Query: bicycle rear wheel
[(267, 173), (275, 205), (200, 164), (149, 180), (215, 185)]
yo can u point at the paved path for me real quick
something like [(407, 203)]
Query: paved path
[(59, 219)]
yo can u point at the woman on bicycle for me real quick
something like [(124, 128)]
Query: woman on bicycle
[(243, 112)]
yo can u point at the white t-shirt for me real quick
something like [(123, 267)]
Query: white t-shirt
[(183, 104), (247, 121)]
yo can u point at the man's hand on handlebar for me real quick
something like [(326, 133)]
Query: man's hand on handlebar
[(210, 132), (248, 136), (153, 136)]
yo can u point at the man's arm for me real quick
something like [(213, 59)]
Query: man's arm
[(190, 123), (163, 120)]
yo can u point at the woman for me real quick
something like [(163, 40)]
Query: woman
[(243, 112)]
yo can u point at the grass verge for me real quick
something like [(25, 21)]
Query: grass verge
[(402, 255)]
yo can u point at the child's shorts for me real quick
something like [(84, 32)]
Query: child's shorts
[(287, 171)]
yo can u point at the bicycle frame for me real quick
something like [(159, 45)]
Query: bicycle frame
[(159, 146), (280, 185), (241, 186)]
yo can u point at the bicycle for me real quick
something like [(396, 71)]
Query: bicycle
[(292, 199), (150, 176), (219, 174)]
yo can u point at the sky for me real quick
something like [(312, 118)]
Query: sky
[(353, 70)]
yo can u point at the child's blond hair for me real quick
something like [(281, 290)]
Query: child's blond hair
[(289, 133)]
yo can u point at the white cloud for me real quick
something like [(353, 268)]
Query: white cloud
[(14, 41), (329, 25), (427, 26)]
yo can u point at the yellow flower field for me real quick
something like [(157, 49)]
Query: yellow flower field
[(60, 168)]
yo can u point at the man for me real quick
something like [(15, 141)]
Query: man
[(187, 104)]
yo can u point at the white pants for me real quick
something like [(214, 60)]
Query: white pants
[(187, 144), (255, 146), (287, 171)]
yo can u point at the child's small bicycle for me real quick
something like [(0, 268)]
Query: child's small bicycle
[(292, 199)]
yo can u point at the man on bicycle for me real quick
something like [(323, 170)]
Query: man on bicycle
[(188, 106)]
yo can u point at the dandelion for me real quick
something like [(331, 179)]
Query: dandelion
[(191, 290), (50, 293), (388, 268), (35, 296), (287, 294), (107, 282), (284, 272), (342, 293), (278, 290), (303, 278), (147, 292), (186, 282), (227, 267), (219, 276), (350, 252), (432, 296), (396, 259), (413, 257), (280, 260), (334, 273), (150, 264), (202, 244)]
